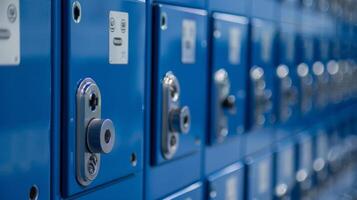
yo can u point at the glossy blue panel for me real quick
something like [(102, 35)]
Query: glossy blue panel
[(224, 27), (305, 151), (128, 188), (241, 7), (227, 183), (193, 191), (287, 56), (265, 9), (86, 47), (192, 76), (259, 176), (263, 54), (186, 3), (164, 177), (284, 164), (25, 133)]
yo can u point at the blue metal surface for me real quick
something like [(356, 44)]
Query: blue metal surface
[(227, 183), (167, 48), (185, 3), (284, 166), (222, 27), (259, 178), (160, 173), (193, 191), (87, 56), (241, 7), (25, 123)]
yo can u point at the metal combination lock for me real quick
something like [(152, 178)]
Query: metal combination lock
[(288, 91), (225, 103), (321, 87), (306, 85), (262, 95), (176, 119), (95, 136)]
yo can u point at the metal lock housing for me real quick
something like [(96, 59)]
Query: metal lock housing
[(288, 97), (225, 103), (321, 87), (306, 85), (175, 119), (262, 95), (95, 136)]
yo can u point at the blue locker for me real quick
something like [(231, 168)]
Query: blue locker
[(284, 169), (305, 60), (186, 3), (103, 93), (262, 71), (241, 7), (193, 191), (25, 123), (125, 189), (321, 148), (228, 90), (287, 78), (227, 183), (262, 61), (304, 165), (179, 98), (259, 178)]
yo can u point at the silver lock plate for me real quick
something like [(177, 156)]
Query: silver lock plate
[(171, 97), (9, 32), (88, 108), (222, 84)]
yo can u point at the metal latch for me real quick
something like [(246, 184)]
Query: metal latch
[(225, 103), (175, 119), (95, 136)]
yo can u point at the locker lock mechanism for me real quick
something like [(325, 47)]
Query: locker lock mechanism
[(176, 119), (225, 103), (306, 85), (262, 95), (95, 136), (288, 97)]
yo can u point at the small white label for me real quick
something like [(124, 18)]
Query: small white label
[(9, 32), (263, 175), (234, 45), (118, 37), (231, 188), (306, 154), (322, 145), (267, 39), (188, 42), (287, 166)]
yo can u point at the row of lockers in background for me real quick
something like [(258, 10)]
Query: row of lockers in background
[(178, 99)]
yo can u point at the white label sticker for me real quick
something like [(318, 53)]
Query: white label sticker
[(234, 45), (9, 32), (188, 41), (287, 167), (306, 154), (267, 40), (231, 188), (322, 145), (263, 175), (118, 37)]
